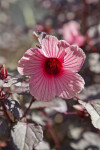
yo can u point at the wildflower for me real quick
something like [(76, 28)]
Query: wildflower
[(53, 69), (3, 72), (71, 33)]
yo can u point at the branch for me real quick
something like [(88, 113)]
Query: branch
[(26, 111), (52, 132), (53, 135)]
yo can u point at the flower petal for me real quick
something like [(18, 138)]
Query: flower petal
[(80, 40), (62, 45), (42, 87), (68, 84), (49, 46), (71, 33), (31, 62), (74, 58)]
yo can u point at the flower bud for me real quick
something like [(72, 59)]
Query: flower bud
[(3, 72)]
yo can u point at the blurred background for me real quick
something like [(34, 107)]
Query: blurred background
[(77, 22)]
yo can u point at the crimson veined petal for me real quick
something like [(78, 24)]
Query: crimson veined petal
[(42, 87), (68, 84), (74, 58), (62, 45), (31, 62), (49, 46)]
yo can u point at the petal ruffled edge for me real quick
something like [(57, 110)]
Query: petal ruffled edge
[(62, 45), (74, 58), (68, 84)]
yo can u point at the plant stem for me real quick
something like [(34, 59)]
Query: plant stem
[(6, 111), (26, 111), (70, 113), (77, 98), (51, 131), (53, 135)]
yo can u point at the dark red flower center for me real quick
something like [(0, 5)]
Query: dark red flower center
[(52, 66)]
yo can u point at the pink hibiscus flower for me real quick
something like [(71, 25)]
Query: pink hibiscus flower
[(71, 33), (53, 69)]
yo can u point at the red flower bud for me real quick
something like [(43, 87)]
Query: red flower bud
[(4, 94), (3, 72)]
